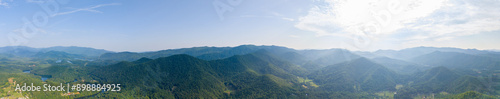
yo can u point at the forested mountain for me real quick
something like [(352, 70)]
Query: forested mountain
[(472, 95), (435, 77), (180, 76), (293, 57), (22, 51), (57, 55), (250, 71), (329, 57), (400, 66), (321, 57), (409, 53), (206, 53), (357, 75), (90, 52), (458, 60), (255, 75), (441, 79), (29, 52)]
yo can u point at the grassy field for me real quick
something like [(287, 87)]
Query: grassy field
[(386, 94), (307, 82)]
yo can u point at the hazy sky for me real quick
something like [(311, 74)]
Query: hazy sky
[(126, 25)]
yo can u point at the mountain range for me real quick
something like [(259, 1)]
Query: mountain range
[(250, 71)]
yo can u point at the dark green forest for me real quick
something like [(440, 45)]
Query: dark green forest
[(251, 72)]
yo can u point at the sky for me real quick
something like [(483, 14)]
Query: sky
[(359, 25)]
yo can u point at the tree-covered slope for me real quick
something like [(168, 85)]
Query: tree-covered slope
[(251, 72), (357, 75), (329, 57), (472, 95), (441, 79), (400, 66), (255, 75), (181, 76)]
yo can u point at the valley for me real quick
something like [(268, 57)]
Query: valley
[(250, 71)]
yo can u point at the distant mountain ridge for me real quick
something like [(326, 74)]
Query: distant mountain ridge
[(29, 51), (308, 59), (408, 53), (458, 60), (250, 71), (400, 66), (207, 53)]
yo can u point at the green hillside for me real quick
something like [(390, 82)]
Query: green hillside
[(357, 75), (250, 72)]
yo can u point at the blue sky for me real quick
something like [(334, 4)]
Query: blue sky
[(126, 25)]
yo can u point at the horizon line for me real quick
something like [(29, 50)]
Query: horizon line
[(255, 45)]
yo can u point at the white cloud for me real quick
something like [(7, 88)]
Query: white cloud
[(409, 21), (459, 18), (4, 4), (89, 9), (342, 17), (35, 1)]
